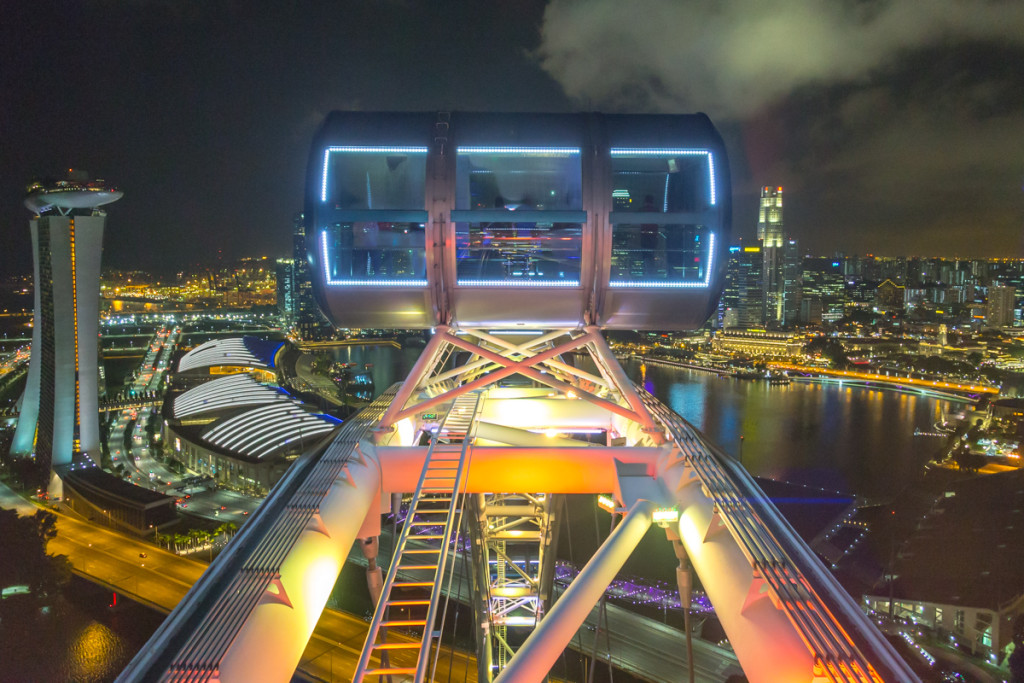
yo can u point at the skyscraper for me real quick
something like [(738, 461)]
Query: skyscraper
[(307, 317), (284, 272), (792, 271), (743, 297), (769, 232), (1001, 305), (59, 411)]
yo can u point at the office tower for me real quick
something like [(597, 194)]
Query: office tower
[(1001, 305), (284, 272), (823, 290), (743, 297), (769, 232), (792, 272), (59, 411), (308, 320)]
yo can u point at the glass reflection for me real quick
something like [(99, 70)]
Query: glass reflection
[(375, 251)]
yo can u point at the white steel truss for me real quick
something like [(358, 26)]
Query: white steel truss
[(493, 359)]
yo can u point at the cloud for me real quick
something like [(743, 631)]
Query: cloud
[(733, 57)]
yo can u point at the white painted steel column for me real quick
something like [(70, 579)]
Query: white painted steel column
[(270, 643), (768, 646), (542, 649), (420, 368)]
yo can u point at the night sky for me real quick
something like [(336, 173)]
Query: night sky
[(896, 126)]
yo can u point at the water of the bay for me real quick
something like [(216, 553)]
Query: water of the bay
[(837, 437)]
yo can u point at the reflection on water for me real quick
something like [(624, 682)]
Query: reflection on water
[(846, 439), (80, 639), (93, 651), (385, 364)]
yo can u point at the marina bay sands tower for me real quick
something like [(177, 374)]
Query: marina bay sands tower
[(59, 411)]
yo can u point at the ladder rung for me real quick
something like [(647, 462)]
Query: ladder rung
[(422, 524), (396, 646), (420, 537), (407, 603), (412, 584), (421, 550), (404, 622), (390, 670), (411, 567)]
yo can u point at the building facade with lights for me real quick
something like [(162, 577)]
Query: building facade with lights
[(770, 234), (59, 410)]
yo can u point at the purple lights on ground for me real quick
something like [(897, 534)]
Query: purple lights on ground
[(639, 591), (632, 590)]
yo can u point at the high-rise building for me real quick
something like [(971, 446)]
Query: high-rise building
[(59, 411), (1001, 305), (743, 296), (307, 317), (284, 272), (792, 276), (823, 290), (770, 234)]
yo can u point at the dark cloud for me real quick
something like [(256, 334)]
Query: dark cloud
[(896, 126), (733, 57)]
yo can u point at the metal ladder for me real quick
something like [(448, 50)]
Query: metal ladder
[(413, 603)]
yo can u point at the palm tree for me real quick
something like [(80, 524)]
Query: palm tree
[(178, 541)]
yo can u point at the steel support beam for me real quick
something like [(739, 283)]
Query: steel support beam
[(541, 650)]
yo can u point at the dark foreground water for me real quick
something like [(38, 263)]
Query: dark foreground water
[(78, 637)]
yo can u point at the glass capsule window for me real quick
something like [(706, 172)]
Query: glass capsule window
[(662, 203), (374, 253), (374, 178), (518, 216), (373, 225)]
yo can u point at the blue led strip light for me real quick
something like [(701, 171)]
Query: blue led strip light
[(537, 151), (362, 150), (630, 152), (519, 283), (361, 283), (652, 284)]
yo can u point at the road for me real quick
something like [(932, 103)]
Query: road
[(160, 579)]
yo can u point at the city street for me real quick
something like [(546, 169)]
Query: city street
[(159, 579)]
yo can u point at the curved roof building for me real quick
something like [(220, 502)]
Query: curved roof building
[(227, 393), (240, 431), (250, 352), (536, 220)]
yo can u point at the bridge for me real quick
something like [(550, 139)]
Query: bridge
[(926, 387), (312, 345), (517, 240)]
